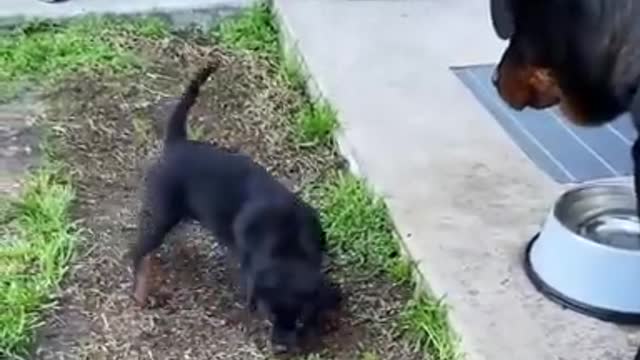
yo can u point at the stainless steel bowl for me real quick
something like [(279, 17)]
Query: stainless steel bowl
[(603, 214), (587, 256)]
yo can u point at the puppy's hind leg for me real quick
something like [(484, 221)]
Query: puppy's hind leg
[(156, 220)]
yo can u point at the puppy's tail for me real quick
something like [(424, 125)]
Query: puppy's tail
[(177, 125)]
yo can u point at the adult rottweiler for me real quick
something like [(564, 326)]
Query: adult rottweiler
[(277, 238), (581, 54)]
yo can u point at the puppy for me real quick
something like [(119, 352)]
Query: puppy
[(581, 54), (277, 238)]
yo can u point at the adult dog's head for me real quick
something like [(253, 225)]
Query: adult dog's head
[(581, 54)]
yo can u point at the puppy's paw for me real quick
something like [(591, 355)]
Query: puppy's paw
[(284, 341)]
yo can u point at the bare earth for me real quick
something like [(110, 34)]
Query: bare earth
[(109, 127)]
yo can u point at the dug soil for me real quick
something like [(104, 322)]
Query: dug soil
[(107, 128)]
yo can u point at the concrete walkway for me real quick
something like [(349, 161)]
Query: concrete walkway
[(464, 197)]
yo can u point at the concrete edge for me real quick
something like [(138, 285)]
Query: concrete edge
[(178, 16), (346, 150), (315, 88)]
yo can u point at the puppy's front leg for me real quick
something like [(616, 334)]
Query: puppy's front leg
[(283, 334), (249, 294)]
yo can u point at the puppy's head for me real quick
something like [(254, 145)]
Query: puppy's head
[(282, 247), (288, 291), (568, 52)]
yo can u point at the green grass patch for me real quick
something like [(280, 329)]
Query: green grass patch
[(36, 243), (37, 234), (361, 234), (357, 225), (360, 231), (254, 30), (42, 52), (425, 322), (315, 124)]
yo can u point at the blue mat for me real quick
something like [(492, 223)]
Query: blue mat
[(568, 153)]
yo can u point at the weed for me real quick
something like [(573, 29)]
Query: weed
[(369, 356), (357, 224), (42, 52), (315, 124), (35, 248), (254, 30), (359, 229), (425, 322)]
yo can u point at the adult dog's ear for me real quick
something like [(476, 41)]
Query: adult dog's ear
[(502, 18)]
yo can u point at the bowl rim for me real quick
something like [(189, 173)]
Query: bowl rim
[(584, 187), (558, 297)]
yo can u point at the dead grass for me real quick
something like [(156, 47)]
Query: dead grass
[(108, 126), (360, 228)]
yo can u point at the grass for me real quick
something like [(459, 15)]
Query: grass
[(36, 244), (41, 52), (361, 233), (315, 124), (424, 321), (37, 234), (358, 224), (256, 31)]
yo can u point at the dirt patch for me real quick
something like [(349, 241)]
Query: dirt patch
[(109, 127)]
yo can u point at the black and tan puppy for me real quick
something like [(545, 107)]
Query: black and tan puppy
[(277, 238), (581, 54)]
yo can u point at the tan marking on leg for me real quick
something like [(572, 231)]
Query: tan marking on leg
[(141, 287)]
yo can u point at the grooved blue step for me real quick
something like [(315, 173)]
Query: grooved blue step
[(566, 152)]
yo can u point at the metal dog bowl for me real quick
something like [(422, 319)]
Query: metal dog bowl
[(587, 256)]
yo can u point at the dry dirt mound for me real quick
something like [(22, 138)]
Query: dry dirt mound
[(109, 126)]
